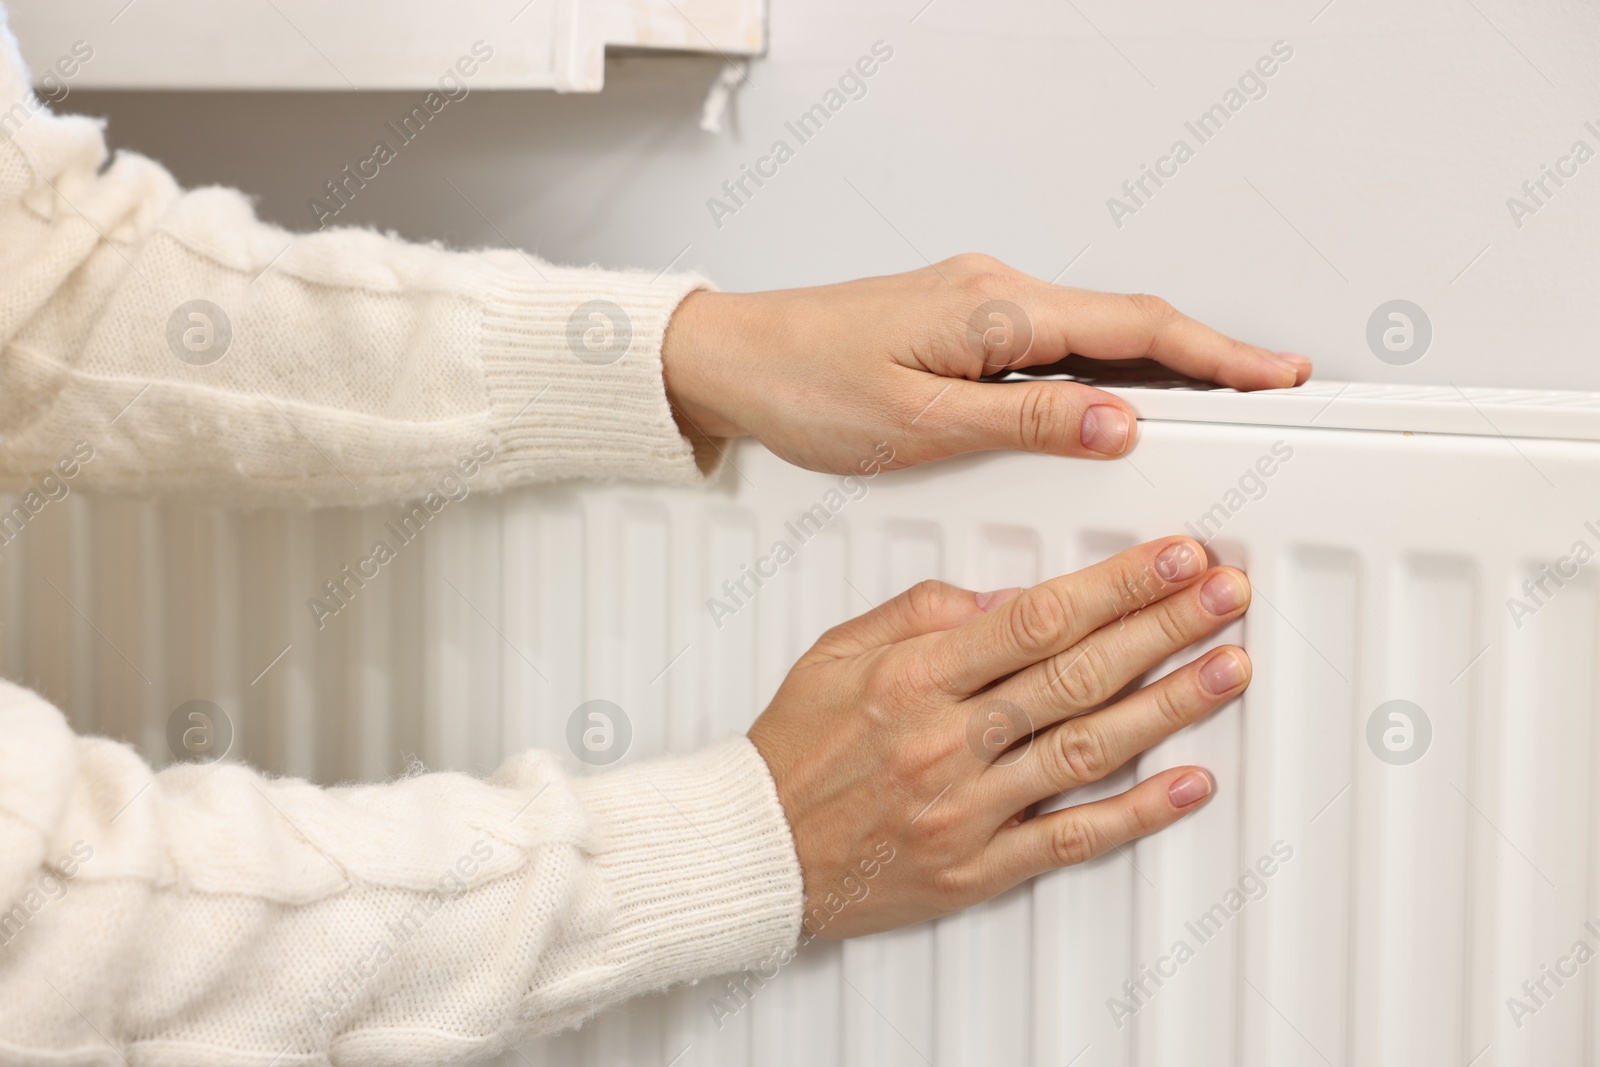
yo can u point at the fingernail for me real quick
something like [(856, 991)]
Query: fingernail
[(994, 598), (1223, 592), (1295, 364), (1223, 674), (1179, 562), (1289, 371), (1104, 430), (1192, 787)]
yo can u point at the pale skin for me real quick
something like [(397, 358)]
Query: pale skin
[(884, 735)]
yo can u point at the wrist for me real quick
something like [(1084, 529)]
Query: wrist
[(696, 355)]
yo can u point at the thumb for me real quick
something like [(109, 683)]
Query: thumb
[(1058, 418)]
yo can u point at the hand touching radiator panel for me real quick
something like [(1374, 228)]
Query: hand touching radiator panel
[(927, 730)]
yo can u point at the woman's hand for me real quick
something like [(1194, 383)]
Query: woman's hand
[(821, 375), (910, 744)]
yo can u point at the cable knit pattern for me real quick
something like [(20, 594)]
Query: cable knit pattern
[(344, 367), (210, 915)]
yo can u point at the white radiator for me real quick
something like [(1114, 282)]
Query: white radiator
[(1389, 547)]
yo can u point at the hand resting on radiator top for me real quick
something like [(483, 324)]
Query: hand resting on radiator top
[(911, 745), (819, 375)]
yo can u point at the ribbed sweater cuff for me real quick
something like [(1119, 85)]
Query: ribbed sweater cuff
[(700, 864), (572, 360)]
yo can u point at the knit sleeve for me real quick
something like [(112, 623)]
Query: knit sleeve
[(193, 349), (209, 915)]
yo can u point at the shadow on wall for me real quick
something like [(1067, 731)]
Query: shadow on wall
[(284, 149)]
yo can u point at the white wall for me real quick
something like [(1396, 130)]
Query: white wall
[(1377, 166)]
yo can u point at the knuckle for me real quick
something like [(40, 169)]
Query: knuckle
[(928, 597), (1085, 680), (834, 640), (925, 680), (1139, 820), (984, 278), (1174, 628), (1041, 414), (1157, 314), (914, 775), (942, 840), (955, 885), (891, 683), (1072, 841), (937, 830), (1153, 308), (1243, 350), (991, 283), (1079, 753), (977, 263), (1172, 705), (1037, 620), (1136, 587)]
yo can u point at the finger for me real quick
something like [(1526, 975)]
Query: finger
[(1057, 418), (1055, 615), (1087, 748), (1095, 669), (1113, 326), (925, 608), (1076, 834)]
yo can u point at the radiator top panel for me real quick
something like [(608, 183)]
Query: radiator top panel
[(1541, 413)]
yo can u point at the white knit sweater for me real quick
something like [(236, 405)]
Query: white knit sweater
[(211, 915)]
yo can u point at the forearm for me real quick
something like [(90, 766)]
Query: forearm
[(208, 914), (198, 350)]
